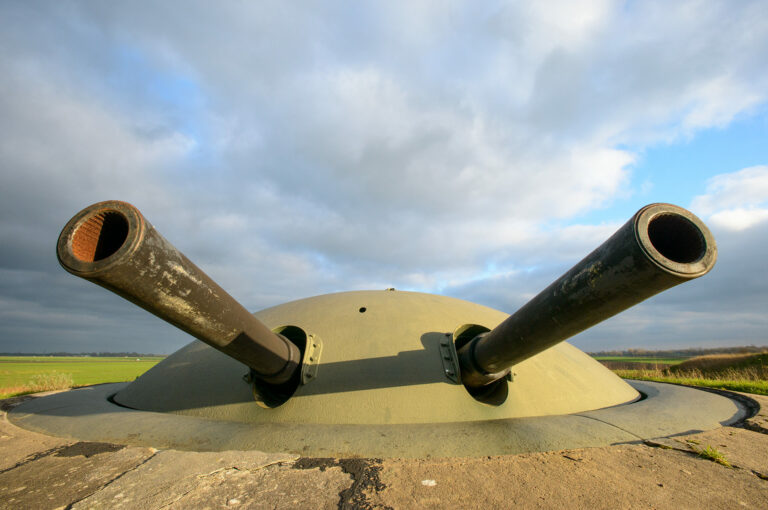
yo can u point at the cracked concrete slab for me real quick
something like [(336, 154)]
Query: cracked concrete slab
[(274, 488), (171, 476), (17, 444), (744, 449), (66, 474), (627, 476)]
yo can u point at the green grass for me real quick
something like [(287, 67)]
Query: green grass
[(73, 359), (758, 387), (631, 359), (747, 373), (714, 455), (19, 375)]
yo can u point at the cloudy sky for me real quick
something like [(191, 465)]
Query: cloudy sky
[(476, 150)]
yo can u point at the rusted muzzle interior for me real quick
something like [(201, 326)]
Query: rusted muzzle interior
[(677, 238), (99, 236)]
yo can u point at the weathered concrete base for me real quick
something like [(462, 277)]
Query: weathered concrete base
[(18, 447), (67, 474), (44, 472), (173, 479), (627, 476), (87, 415)]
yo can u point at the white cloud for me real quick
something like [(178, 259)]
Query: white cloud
[(736, 200), (739, 219)]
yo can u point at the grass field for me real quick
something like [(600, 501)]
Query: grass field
[(736, 372), (20, 375), (735, 384), (630, 359)]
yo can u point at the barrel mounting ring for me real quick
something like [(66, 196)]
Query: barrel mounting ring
[(311, 360), (450, 359)]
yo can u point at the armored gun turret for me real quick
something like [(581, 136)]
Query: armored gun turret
[(385, 372)]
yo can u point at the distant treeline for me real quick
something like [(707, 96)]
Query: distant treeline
[(681, 353), (92, 354)]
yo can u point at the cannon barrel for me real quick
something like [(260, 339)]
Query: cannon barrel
[(113, 245), (661, 246)]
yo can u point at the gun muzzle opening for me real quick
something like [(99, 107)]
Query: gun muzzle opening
[(677, 238), (99, 236)]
